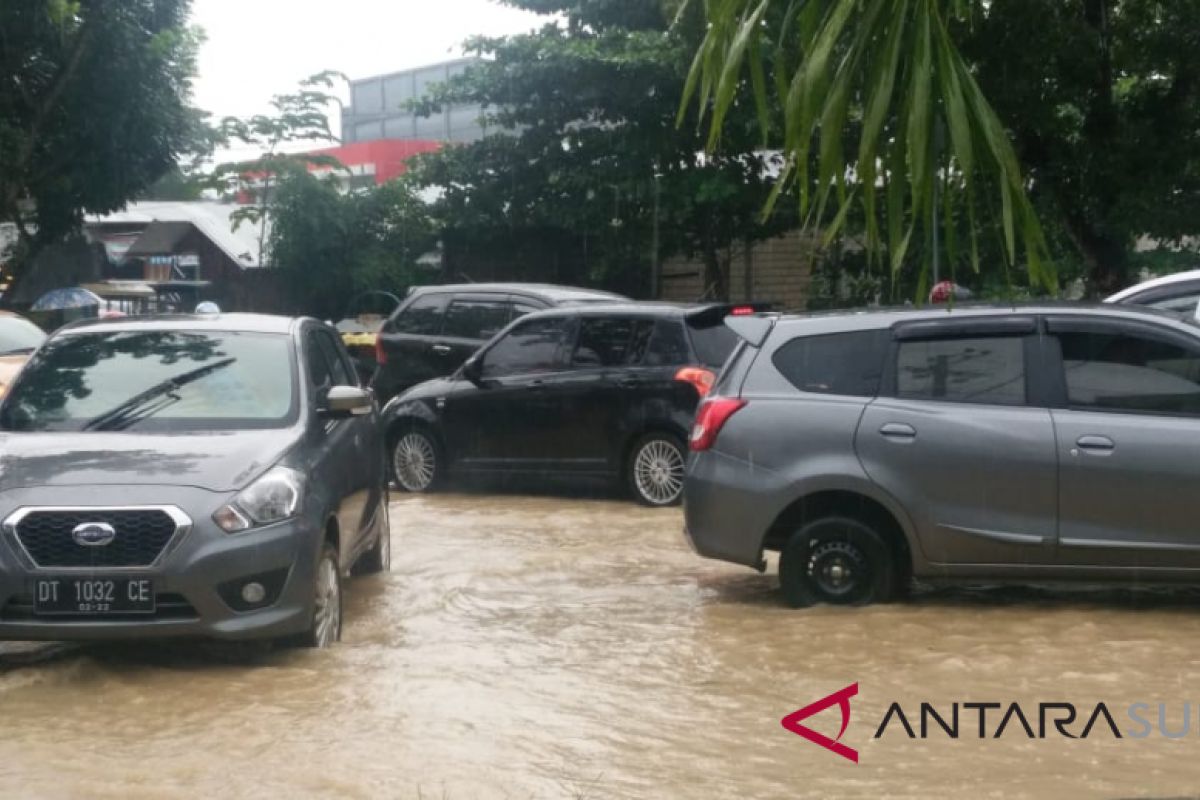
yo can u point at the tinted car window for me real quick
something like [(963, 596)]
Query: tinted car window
[(475, 318), (667, 345), (1122, 372), (604, 341), (520, 308), (1184, 304), (155, 380), (423, 317), (320, 374), (981, 370), (713, 343), (839, 363), (337, 368), (533, 346)]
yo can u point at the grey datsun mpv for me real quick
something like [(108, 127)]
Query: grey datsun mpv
[(1031, 443), (209, 476)]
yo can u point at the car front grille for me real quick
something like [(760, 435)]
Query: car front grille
[(141, 536)]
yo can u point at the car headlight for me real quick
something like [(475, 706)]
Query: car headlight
[(273, 497)]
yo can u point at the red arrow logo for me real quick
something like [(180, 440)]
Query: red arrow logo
[(841, 699)]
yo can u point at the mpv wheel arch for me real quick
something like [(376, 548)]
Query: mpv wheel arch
[(856, 499)]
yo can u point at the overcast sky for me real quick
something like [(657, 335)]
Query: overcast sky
[(259, 48)]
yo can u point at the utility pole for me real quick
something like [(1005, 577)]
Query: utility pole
[(654, 266), (937, 188)]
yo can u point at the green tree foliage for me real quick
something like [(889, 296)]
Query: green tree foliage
[(298, 117), (1103, 102), (867, 88), (331, 246), (1080, 113), (585, 168), (94, 107)]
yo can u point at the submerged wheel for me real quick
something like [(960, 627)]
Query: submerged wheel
[(326, 628), (655, 470), (839, 561), (379, 557), (416, 461)]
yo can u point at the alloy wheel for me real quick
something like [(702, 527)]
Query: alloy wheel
[(327, 616), (414, 462), (658, 472)]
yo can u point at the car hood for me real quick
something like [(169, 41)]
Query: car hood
[(214, 461)]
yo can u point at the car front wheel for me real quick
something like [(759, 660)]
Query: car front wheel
[(655, 470), (416, 461), (836, 560), (326, 627)]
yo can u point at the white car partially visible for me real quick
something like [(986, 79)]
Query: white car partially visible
[(1179, 293)]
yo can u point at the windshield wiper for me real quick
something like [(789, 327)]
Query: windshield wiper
[(18, 351), (144, 404)]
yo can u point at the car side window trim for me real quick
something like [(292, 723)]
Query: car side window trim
[(969, 328)]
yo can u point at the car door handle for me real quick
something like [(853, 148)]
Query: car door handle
[(629, 383), (441, 349), (1096, 444), (899, 431)]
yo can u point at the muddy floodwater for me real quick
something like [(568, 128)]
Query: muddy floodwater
[(551, 647)]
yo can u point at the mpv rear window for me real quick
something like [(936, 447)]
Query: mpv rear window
[(837, 363)]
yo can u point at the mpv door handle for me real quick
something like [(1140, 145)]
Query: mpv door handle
[(1096, 444), (440, 349), (898, 430)]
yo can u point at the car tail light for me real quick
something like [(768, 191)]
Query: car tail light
[(741, 311), (380, 353), (710, 418), (702, 379)]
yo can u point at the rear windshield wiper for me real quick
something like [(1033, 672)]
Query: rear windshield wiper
[(143, 405)]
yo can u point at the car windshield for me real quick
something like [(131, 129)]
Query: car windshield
[(713, 343), (19, 335), (161, 381)]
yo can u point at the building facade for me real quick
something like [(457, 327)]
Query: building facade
[(378, 107)]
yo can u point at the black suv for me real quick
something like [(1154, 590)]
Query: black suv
[(437, 328), (603, 391)]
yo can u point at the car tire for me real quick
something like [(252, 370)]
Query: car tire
[(379, 558), (416, 461), (838, 561), (654, 470), (326, 627)]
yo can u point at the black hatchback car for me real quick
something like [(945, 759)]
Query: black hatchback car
[(599, 390), (437, 328)]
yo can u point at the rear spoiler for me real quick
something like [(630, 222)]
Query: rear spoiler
[(710, 316), (753, 328)]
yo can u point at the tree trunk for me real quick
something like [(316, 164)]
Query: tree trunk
[(716, 279), (1106, 258)]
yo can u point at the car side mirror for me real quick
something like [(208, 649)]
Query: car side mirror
[(346, 401), (473, 371)]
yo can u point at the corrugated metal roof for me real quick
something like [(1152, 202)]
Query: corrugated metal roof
[(211, 218)]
